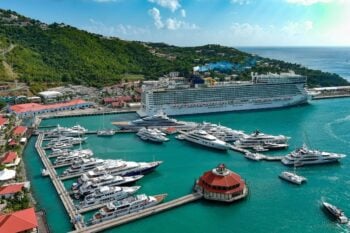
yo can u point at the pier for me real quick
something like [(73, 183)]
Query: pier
[(63, 194), (140, 214), (264, 157)]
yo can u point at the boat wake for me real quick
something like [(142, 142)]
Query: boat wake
[(329, 128)]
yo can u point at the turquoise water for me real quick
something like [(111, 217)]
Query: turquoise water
[(328, 59), (272, 206)]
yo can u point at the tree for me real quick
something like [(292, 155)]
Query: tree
[(2, 104)]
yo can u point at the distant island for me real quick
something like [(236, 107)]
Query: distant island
[(44, 56)]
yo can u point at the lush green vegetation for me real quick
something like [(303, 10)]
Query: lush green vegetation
[(50, 55)]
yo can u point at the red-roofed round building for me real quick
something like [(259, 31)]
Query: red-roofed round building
[(221, 184)]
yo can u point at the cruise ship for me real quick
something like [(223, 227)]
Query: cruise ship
[(201, 137), (262, 92), (304, 156)]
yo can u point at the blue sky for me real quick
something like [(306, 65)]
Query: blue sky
[(197, 22)]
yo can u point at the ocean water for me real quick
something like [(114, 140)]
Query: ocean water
[(330, 59), (273, 205)]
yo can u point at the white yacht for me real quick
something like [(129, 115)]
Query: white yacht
[(201, 137), (304, 156), (292, 177), (106, 194), (159, 119), (68, 140), (83, 165), (59, 152), (126, 206), (119, 168), (223, 133), (67, 160), (152, 135), (105, 132), (59, 131), (60, 145), (91, 185), (267, 141)]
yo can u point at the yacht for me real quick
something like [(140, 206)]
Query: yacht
[(105, 132), (60, 145), (59, 152), (158, 120), (253, 156), (336, 212), (201, 137), (224, 133), (68, 140), (69, 159), (304, 156), (126, 206), (152, 135), (59, 131), (260, 148), (292, 177), (119, 168), (106, 194), (91, 185), (265, 140), (82, 166)]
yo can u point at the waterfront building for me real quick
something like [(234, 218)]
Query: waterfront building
[(3, 122), (50, 96), (33, 109), (7, 174), (262, 92), (19, 131), (19, 221), (221, 184), (10, 159), (9, 191)]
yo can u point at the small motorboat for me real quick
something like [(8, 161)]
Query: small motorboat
[(336, 212), (292, 177), (253, 156)]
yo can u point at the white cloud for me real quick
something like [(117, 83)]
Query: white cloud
[(295, 28), (117, 30), (173, 5), (183, 13), (246, 29), (311, 2), (241, 2), (155, 13), (174, 24)]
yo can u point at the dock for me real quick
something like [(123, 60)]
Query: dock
[(63, 194), (140, 214), (264, 157)]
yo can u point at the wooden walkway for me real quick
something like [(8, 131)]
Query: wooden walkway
[(63, 194), (140, 214)]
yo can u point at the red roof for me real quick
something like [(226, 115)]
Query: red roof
[(19, 130), (19, 221), (228, 182), (32, 107), (9, 157), (10, 189), (3, 120), (12, 142)]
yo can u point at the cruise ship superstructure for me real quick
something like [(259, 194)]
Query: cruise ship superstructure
[(176, 97)]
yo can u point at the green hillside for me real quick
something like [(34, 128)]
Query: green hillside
[(48, 55)]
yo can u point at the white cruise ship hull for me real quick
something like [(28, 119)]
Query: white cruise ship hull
[(227, 106)]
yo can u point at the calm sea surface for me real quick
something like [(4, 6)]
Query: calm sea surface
[(330, 59), (272, 206)]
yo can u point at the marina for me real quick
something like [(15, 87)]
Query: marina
[(197, 154)]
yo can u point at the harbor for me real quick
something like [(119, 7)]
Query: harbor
[(195, 165)]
